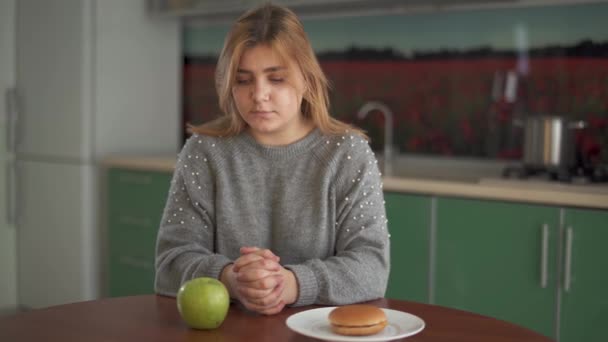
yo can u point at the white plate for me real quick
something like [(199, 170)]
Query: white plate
[(314, 323)]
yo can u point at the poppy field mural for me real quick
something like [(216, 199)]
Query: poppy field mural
[(447, 91)]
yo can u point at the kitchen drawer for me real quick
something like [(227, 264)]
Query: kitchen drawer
[(409, 220), (133, 232), (131, 275), (136, 200), (137, 192), (498, 259), (584, 304)]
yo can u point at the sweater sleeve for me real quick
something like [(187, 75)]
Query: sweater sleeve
[(359, 269), (184, 247)]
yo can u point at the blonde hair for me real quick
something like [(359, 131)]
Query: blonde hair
[(279, 28)]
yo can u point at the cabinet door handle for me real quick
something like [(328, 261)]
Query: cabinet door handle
[(544, 256), (568, 259)]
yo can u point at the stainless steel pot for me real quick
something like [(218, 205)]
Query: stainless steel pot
[(549, 141)]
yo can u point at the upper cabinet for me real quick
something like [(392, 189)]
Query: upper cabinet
[(229, 9)]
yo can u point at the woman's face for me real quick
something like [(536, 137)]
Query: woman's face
[(268, 93)]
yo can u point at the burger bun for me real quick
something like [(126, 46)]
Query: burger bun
[(357, 320)]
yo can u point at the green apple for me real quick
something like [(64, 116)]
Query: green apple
[(203, 303)]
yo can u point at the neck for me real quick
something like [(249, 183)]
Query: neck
[(283, 138)]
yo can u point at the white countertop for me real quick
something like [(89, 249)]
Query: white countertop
[(160, 164), (540, 192), (482, 187)]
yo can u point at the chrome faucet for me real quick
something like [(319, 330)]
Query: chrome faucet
[(388, 131)]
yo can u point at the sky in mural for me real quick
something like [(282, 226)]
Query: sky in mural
[(499, 28)]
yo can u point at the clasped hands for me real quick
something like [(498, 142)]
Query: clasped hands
[(259, 282)]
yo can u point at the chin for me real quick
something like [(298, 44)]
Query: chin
[(264, 128)]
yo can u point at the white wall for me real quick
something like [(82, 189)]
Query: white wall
[(137, 83)]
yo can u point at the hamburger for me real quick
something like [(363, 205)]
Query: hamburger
[(357, 320)]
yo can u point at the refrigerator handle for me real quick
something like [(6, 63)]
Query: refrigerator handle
[(12, 112), (11, 193)]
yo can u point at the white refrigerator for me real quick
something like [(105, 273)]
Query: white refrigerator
[(56, 222), (8, 236), (93, 78)]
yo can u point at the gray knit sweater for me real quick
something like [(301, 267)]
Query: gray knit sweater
[(316, 203)]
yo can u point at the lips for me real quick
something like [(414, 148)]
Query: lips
[(261, 112)]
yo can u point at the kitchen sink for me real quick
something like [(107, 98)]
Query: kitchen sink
[(442, 168)]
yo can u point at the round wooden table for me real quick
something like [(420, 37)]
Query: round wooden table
[(155, 318)]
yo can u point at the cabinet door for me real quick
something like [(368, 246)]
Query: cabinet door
[(408, 222), (584, 308), (491, 257), (135, 203)]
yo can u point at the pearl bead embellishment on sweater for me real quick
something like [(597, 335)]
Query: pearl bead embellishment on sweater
[(364, 186)]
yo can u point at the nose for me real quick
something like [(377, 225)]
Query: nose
[(260, 92)]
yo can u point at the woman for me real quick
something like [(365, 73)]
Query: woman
[(276, 199)]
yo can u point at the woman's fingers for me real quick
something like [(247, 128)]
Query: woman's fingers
[(266, 253), (268, 304), (264, 283), (258, 270), (265, 310), (251, 294), (259, 281), (261, 296), (273, 310), (247, 250), (257, 261), (245, 260)]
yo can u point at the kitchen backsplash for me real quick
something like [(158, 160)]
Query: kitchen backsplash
[(455, 81)]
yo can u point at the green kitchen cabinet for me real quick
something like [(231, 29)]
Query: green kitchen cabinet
[(498, 259), (584, 276), (408, 222), (135, 204)]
